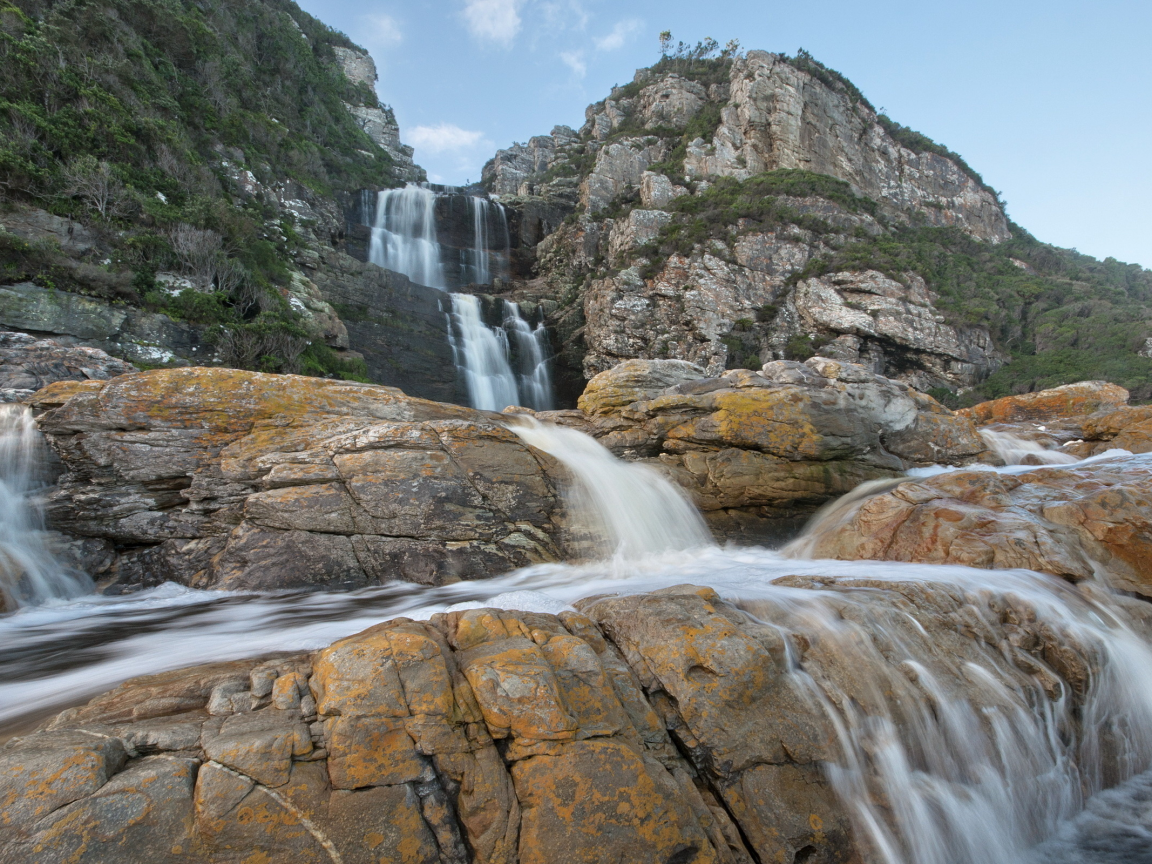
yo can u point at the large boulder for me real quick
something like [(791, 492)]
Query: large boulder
[(232, 479), (1057, 403), (761, 450), (1075, 522)]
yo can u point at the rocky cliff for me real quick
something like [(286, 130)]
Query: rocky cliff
[(744, 208)]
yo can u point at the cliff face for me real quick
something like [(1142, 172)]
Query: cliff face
[(743, 209), (195, 216)]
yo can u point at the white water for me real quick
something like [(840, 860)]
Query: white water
[(404, 235), (484, 357), (955, 745), (1015, 450), (631, 511), (478, 259), (29, 573)]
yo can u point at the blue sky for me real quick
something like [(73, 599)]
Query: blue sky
[(1050, 101)]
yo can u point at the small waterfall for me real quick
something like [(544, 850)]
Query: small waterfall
[(631, 510), (404, 235), (532, 350), (29, 573), (1015, 450), (486, 356)]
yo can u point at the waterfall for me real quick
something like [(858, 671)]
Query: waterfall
[(29, 573), (485, 356), (533, 377), (404, 235), (406, 238), (631, 510), (1015, 450), (481, 354)]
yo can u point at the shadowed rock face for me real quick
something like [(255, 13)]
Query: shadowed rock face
[(223, 478), (28, 364), (661, 727)]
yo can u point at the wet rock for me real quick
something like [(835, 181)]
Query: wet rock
[(1072, 522)]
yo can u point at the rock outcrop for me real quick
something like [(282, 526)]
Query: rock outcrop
[(779, 116), (733, 298), (377, 120), (761, 450), (217, 478), (1058, 403), (28, 364), (1075, 522), (230, 479), (653, 728)]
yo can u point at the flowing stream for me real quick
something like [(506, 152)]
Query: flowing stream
[(956, 746)]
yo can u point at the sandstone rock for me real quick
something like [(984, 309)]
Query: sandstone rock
[(1072, 522), (657, 191), (35, 225), (123, 331), (775, 113), (758, 451), (633, 381), (1071, 400), (884, 313), (671, 102), (28, 363), (638, 228), (217, 477), (619, 167)]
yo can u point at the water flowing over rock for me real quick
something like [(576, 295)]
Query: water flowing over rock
[(29, 571), (504, 364), (821, 719), (439, 237), (760, 450), (222, 478), (1078, 521)]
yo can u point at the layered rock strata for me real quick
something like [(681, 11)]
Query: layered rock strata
[(662, 727), (230, 479), (27, 364)]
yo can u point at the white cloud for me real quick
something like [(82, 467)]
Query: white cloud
[(619, 35), (444, 137), (382, 30), (493, 20), (574, 60)]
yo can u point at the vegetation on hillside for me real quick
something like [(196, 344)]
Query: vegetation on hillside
[(138, 116)]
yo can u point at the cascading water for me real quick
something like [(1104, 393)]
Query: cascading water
[(481, 355), (630, 510), (485, 356), (972, 714), (478, 258), (1014, 450), (29, 573), (404, 235)]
